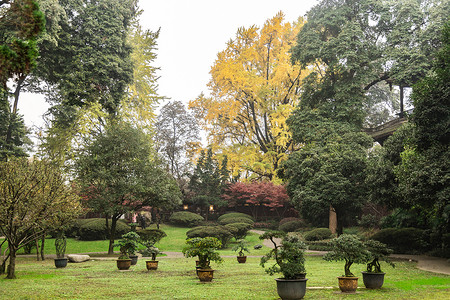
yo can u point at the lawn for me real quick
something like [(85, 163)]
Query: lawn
[(175, 279), (174, 242)]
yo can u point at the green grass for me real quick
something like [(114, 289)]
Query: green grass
[(174, 242), (175, 279)]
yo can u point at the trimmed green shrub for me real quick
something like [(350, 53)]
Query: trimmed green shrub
[(292, 226), (402, 240), (239, 230), (317, 234), (285, 220), (219, 232), (74, 228), (234, 215), (232, 220), (323, 245), (151, 236), (186, 219), (96, 230)]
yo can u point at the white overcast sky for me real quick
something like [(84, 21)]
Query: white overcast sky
[(192, 33)]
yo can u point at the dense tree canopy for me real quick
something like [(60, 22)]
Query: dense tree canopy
[(254, 88), (208, 181), (119, 173), (355, 45)]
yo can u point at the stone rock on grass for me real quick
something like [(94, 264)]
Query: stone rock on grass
[(77, 258)]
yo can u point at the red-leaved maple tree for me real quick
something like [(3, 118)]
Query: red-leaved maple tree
[(260, 197)]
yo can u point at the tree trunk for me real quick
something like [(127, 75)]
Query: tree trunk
[(112, 233), (42, 247), (12, 263), (332, 220), (36, 241)]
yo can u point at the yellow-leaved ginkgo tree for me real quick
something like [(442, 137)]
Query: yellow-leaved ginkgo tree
[(254, 87)]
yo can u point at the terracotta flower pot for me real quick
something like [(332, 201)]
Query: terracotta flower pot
[(373, 280), (123, 264), (348, 284), (205, 275), (151, 264), (291, 289), (242, 259)]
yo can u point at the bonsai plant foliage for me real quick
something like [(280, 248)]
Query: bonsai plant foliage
[(377, 251), (128, 245), (148, 238), (205, 249), (289, 256), (241, 246), (348, 248)]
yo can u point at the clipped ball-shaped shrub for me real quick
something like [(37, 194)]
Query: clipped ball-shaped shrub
[(317, 234), (186, 219), (219, 232), (292, 226), (73, 230), (96, 230), (402, 240), (239, 230), (285, 220), (236, 220), (151, 236), (234, 215)]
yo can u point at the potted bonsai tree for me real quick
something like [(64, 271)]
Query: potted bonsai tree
[(206, 251), (241, 246), (348, 248), (374, 278), (289, 261), (60, 245), (128, 245), (148, 238)]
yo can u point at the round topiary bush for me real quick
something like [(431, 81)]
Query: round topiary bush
[(239, 230), (317, 234), (186, 219), (291, 226), (219, 232), (96, 230), (234, 215), (285, 220), (402, 240), (232, 220)]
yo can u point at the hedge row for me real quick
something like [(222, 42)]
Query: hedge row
[(186, 218), (403, 240)]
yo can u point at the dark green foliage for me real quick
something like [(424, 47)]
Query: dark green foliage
[(323, 245), (402, 240), (91, 62), (233, 215), (60, 245), (13, 133), (348, 248), (378, 252), (118, 173), (186, 219), (208, 181), (230, 220), (219, 232), (289, 256), (239, 230), (151, 236), (285, 220), (329, 170), (292, 226), (128, 245), (368, 221), (317, 234), (205, 249), (95, 229)]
